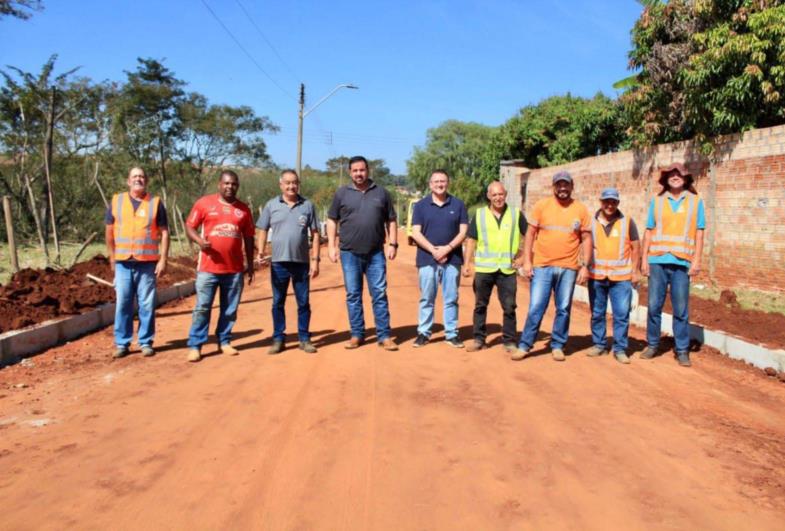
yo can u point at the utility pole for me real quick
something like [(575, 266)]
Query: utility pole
[(300, 113)]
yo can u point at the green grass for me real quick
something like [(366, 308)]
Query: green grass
[(32, 256), (748, 299)]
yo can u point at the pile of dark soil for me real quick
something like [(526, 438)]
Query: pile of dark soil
[(36, 295)]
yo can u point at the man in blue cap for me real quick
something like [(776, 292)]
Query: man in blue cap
[(614, 268)]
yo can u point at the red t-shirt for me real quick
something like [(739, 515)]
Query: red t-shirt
[(223, 225)]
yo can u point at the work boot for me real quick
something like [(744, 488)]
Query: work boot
[(519, 354), (475, 346), (147, 351), (622, 357), (558, 354), (648, 353), (120, 352), (388, 344), (684, 359), (275, 348), (307, 347), (421, 341), (194, 354), (353, 343), (596, 351), (229, 350), (510, 347)]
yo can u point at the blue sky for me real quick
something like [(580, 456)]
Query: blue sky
[(417, 63)]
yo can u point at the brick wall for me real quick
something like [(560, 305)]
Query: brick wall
[(742, 186)]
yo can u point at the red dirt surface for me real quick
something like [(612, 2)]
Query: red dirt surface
[(767, 328), (429, 438), (36, 295)]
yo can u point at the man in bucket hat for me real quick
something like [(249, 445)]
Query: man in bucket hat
[(672, 248), (613, 270)]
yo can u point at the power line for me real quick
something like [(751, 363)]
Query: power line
[(270, 44), (262, 70)]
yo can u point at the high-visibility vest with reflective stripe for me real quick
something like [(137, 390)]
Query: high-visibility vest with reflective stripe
[(612, 253), (497, 243), (136, 234), (675, 231)]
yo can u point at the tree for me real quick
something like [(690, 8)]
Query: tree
[(19, 8), (706, 68), (457, 147), (147, 121), (214, 135), (557, 130)]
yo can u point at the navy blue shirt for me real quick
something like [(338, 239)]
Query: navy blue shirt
[(439, 224)]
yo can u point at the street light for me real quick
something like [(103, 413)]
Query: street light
[(302, 113)]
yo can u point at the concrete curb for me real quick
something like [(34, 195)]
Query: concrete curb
[(18, 344), (733, 347)]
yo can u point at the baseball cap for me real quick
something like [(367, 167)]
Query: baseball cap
[(562, 176), (610, 193)]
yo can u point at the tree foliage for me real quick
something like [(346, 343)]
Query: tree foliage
[(457, 147), (19, 8), (707, 67)]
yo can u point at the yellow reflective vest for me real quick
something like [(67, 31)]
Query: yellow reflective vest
[(497, 243)]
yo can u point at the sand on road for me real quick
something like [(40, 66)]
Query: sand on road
[(430, 438)]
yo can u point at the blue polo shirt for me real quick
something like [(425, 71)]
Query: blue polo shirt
[(439, 224)]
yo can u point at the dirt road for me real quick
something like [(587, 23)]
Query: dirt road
[(431, 438)]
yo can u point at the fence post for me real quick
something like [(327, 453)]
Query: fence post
[(9, 224)]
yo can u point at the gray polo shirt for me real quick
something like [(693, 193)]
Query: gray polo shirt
[(290, 228), (362, 217)]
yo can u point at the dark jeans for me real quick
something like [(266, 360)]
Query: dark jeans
[(620, 295), (660, 277), (506, 290), (280, 275)]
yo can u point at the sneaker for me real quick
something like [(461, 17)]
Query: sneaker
[(622, 357), (229, 350), (475, 346), (388, 344), (510, 347), (596, 351), (194, 355), (275, 348), (454, 342), (307, 346), (420, 341), (353, 343), (684, 359), (147, 351), (648, 353), (120, 352), (558, 354), (519, 354)]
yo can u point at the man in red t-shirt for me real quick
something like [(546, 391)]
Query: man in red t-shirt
[(227, 232)]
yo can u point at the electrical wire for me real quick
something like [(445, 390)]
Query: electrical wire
[(266, 40)]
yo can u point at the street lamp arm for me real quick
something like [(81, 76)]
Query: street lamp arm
[(333, 91)]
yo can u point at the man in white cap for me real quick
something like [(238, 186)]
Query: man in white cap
[(615, 266)]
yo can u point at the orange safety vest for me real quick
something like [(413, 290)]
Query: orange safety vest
[(136, 234), (612, 253), (675, 232)]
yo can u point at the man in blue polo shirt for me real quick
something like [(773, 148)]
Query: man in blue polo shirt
[(439, 225)]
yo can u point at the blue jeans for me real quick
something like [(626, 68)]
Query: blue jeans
[(374, 267), (620, 294), (660, 276), (280, 274), (448, 275), (134, 281), (231, 288), (561, 281)]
